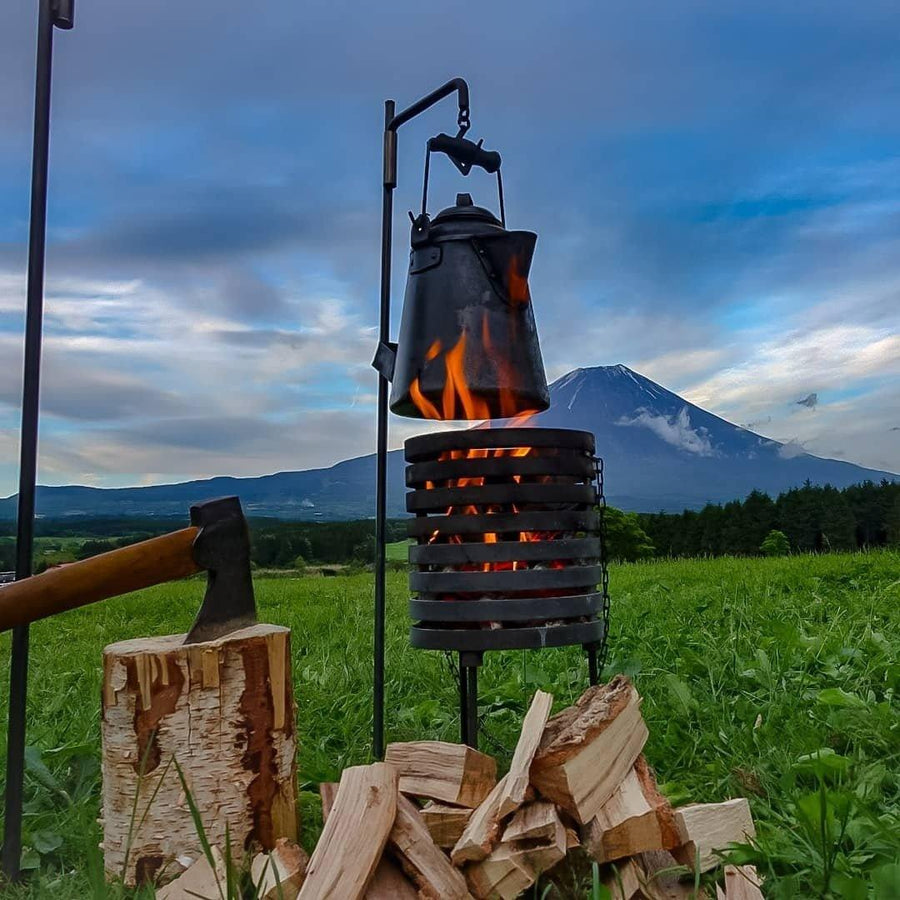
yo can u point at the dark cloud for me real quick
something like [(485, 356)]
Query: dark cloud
[(810, 401)]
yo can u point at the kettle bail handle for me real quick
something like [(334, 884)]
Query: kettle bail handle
[(464, 154)]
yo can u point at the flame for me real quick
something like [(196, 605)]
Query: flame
[(518, 283)]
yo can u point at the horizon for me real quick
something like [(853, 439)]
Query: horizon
[(715, 195)]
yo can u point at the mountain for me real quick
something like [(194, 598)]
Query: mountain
[(660, 452)]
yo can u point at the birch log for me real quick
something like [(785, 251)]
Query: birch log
[(224, 710)]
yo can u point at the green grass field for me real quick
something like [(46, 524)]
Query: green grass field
[(775, 679)]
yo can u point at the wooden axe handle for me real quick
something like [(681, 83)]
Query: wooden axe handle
[(120, 571)]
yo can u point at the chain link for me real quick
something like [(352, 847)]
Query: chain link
[(603, 648)]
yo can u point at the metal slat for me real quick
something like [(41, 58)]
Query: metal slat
[(502, 523), (575, 465), (427, 446), (529, 638), (441, 499), (522, 580), (504, 551), (531, 608)]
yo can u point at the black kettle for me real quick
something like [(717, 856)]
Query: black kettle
[(468, 345)]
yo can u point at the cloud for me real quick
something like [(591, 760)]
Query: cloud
[(675, 430), (791, 449), (810, 401)]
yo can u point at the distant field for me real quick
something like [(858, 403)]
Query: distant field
[(756, 674), (398, 551)]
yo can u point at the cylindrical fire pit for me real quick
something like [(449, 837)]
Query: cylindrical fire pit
[(508, 551)]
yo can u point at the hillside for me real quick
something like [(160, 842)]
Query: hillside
[(661, 453)]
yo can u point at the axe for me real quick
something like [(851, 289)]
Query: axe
[(217, 541)]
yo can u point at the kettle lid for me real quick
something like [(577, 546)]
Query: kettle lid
[(465, 211)]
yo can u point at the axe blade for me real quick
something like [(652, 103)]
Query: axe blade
[(222, 547)]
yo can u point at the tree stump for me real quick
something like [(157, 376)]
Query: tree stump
[(224, 710)]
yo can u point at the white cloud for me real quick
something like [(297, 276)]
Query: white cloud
[(675, 430)]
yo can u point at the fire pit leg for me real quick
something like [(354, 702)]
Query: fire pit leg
[(593, 667), (468, 697)]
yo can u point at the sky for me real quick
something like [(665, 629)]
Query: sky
[(716, 189)]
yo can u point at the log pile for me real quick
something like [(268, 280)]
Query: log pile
[(434, 821)]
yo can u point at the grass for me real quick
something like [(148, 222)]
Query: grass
[(774, 679)]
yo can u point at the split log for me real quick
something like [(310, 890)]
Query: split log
[(278, 875), (541, 854), (662, 878), (624, 880), (588, 749), (706, 827), (517, 780), (502, 874), (482, 830), (388, 882), (421, 859), (742, 883), (200, 879), (438, 770), (445, 823), (636, 818), (354, 835), (224, 710), (537, 821)]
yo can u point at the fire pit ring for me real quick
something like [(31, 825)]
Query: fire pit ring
[(508, 551)]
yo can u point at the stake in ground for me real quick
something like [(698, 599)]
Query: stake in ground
[(756, 675)]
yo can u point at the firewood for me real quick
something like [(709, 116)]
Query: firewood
[(662, 878), (537, 821), (706, 827), (482, 831), (388, 882), (354, 835), (422, 860), (589, 748), (437, 770), (200, 879), (517, 780), (445, 823), (222, 709), (742, 883), (503, 874), (624, 880), (542, 851), (634, 819), (278, 875)]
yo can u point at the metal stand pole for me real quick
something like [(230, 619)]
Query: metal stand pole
[(384, 326), (384, 364), (468, 697), (463, 703), (51, 13)]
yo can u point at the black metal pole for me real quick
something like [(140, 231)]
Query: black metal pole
[(593, 667), (391, 124), (463, 703), (51, 13), (384, 334), (472, 706)]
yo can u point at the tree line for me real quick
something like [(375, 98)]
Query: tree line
[(813, 519)]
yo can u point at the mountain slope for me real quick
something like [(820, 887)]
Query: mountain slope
[(660, 452)]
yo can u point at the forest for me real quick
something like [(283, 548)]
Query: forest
[(813, 519)]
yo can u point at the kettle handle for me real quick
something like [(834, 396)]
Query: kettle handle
[(464, 154)]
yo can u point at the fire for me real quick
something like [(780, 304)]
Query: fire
[(458, 400)]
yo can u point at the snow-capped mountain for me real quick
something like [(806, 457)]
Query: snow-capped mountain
[(660, 452)]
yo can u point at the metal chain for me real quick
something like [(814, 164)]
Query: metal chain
[(603, 649)]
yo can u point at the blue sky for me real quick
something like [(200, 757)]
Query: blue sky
[(716, 189)]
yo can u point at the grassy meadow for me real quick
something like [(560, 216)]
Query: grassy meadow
[(775, 679)]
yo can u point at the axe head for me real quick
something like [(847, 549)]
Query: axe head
[(222, 547)]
